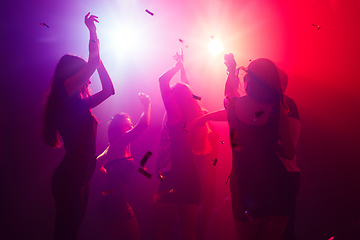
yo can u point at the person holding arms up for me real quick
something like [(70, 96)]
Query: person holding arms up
[(67, 117)]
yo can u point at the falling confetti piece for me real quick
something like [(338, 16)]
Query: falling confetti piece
[(215, 161), (152, 14), (145, 173), (162, 178), (145, 158), (44, 24), (318, 27), (182, 41), (196, 97)]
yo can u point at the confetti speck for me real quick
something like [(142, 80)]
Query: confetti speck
[(145, 173), (44, 24), (152, 14), (162, 178), (196, 97), (215, 161), (145, 158), (318, 27)]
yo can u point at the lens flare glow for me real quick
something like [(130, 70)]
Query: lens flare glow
[(215, 46), (123, 40)]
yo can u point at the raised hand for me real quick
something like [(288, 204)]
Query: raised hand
[(90, 22), (230, 62), (179, 57), (144, 99)]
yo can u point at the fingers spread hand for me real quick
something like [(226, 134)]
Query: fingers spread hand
[(144, 98)]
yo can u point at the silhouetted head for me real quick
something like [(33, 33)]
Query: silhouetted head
[(119, 125), (68, 66), (262, 81)]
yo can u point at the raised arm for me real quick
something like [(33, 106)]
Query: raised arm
[(107, 88), (143, 123), (173, 112), (232, 82), (75, 82), (219, 115), (180, 59)]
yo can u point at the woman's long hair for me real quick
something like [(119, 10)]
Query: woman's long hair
[(262, 81), (191, 109), (55, 97)]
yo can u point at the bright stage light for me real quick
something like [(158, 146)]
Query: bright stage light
[(123, 40), (215, 46)]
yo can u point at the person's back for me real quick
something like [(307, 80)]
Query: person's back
[(257, 170), (77, 128), (259, 131), (254, 127)]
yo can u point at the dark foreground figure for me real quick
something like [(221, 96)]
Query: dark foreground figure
[(67, 116)]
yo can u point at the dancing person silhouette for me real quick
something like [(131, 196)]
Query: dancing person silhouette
[(67, 117)]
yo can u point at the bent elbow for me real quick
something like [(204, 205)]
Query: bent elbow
[(109, 91), (112, 91)]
